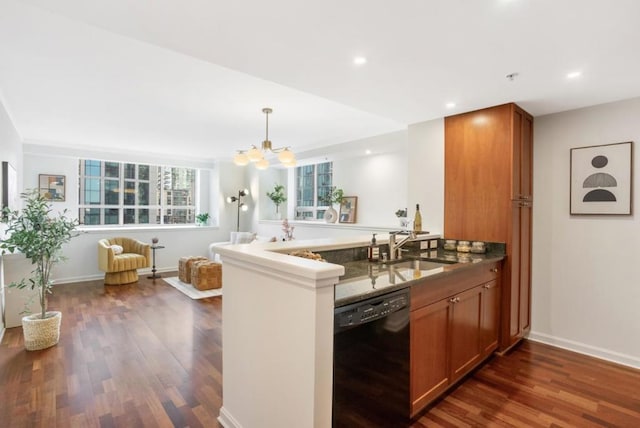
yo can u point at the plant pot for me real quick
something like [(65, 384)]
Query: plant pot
[(41, 333), (330, 215)]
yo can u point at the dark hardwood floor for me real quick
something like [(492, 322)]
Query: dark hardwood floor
[(146, 355)]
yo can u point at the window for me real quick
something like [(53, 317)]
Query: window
[(313, 182), (129, 194)]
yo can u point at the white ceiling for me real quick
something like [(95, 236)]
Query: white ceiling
[(190, 77)]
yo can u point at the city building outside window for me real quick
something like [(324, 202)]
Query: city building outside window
[(313, 182), (118, 193)]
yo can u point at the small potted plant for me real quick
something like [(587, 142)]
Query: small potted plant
[(39, 235), (334, 196), (202, 219), (277, 196)]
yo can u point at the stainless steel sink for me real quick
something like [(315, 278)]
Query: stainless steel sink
[(424, 263), (418, 264)]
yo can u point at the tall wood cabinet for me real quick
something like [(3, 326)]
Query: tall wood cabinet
[(488, 197)]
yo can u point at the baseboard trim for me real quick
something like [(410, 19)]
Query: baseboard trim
[(141, 272), (582, 348), (226, 420)]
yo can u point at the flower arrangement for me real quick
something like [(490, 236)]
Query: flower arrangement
[(401, 212), (287, 229)]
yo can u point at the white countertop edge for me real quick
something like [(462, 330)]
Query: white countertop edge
[(274, 256), (246, 255)]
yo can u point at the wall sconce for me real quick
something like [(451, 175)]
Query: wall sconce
[(241, 205)]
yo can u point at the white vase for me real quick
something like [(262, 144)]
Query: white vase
[(330, 215), (41, 333)]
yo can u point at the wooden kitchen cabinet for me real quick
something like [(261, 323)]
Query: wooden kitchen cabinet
[(454, 327), (490, 322), (488, 197), (465, 349), (429, 366)]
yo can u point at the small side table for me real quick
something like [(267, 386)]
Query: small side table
[(153, 269)]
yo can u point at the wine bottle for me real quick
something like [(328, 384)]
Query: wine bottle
[(417, 220), (373, 252)]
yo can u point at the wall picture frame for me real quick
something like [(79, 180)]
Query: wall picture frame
[(9, 197), (601, 179), (348, 209), (52, 187)]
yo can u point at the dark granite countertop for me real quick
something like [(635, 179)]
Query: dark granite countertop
[(364, 279)]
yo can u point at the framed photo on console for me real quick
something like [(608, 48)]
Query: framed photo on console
[(348, 209), (601, 179), (52, 187)]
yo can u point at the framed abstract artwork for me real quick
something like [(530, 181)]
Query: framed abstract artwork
[(601, 179), (52, 187)]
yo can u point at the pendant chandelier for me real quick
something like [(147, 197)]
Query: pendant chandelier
[(257, 155)]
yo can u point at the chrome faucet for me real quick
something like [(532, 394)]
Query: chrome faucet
[(395, 247)]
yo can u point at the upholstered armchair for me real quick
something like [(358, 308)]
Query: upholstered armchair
[(120, 259)]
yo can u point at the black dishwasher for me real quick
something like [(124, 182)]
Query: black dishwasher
[(371, 362)]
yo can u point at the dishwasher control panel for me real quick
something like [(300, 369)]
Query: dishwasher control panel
[(372, 309)]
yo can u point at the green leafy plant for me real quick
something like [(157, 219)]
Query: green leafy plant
[(202, 218), (39, 235), (277, 196), (334, 196)]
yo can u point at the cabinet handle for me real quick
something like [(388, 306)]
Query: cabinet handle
[(454, 300), (494, 270), (487, 286), (525, 204), (525, 197)]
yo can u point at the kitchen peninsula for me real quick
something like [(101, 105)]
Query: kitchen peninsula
[(278, 332)]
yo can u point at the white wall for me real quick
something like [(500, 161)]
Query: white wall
[(586, 291), (10, 151), (425, 181), (10, 141)]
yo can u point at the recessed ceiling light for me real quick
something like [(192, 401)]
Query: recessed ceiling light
[(450, 105), (574, 74), (359, 60), (367, 152)]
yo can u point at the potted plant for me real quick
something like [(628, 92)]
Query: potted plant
[(277, 197), (334, 196), (202, 219), (39, 235)]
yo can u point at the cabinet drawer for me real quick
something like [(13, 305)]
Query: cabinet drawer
[(433, 289)]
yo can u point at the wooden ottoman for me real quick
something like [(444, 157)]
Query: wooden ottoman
[(206, 275), (184, 267)]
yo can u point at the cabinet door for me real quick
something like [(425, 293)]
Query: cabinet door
[(477, 174), (522, 155), (429, 353), (524, 316), (465, 331), (516, 291), (490, 317)]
